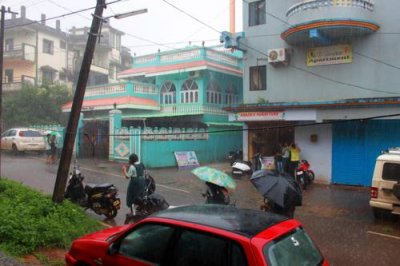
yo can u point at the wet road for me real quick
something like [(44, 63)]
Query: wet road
[(338, 218)]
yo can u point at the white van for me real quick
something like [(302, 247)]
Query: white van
[(385, 187)]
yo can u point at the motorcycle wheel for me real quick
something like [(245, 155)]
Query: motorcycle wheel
[(311, 177), (111, 213)]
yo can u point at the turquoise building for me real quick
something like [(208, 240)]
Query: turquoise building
[(168, 102)]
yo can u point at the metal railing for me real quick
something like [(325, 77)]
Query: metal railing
[(314, 4), (192, 54)]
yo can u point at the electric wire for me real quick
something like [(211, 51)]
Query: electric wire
[(264, 128), (59, 16)]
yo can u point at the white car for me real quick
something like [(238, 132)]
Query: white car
[(385, 187), (22, 139)]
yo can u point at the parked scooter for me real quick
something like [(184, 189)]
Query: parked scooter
[(235, 156), (148, 203), (303, 174), (216, 194), (241, 167), (102, 198)]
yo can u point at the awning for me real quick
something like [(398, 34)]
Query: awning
[(48, 68), (126, 102)]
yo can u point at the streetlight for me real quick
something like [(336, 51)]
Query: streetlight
[(131, 13)]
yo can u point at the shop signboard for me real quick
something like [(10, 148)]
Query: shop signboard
[(259, 116), (186, 159), (329, 55)]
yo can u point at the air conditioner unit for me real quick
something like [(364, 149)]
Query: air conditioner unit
[(278, 55)]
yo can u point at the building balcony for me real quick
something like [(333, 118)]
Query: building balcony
[(190, 54), (191, 109), (327, 21), (24, 52), (16, 85)]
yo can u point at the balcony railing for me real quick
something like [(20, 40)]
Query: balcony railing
[(313, 4), (22, 51), (127, 88), (105, 90), (187, 55), (16, 85), (191, 109)]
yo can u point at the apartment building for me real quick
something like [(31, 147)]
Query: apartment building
[(315, 73), (35, 53)]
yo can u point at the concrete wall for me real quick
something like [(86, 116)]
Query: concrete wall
[(318, 154), (289, 84)]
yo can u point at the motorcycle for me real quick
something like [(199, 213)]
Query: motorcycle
[(303, 174), (241, 167), (148, 203), (216, 194), (101, 198)]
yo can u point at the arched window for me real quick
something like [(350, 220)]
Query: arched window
[(168, 93), (214, 94), (190, 92), (231, 96)]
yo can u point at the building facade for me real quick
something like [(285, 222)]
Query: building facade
[(36, 53), (169, 102), (315, 73), (33, 52)]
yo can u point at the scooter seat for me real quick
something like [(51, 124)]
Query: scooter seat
[(95, 188), (104, 185)]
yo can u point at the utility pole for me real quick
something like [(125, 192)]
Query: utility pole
[(66, 154), (3, 13)]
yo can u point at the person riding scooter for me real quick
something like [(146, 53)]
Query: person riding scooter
[(216, 194)]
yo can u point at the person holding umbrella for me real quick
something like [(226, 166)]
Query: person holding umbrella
[(217, 182), (281, 193)]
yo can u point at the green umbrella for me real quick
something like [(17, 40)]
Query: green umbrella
[(214, 176)]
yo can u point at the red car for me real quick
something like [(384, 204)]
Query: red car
[(200, 235)]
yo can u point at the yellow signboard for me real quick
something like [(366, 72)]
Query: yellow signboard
[(329, 55)]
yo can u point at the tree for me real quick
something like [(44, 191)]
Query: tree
[(35, 105)]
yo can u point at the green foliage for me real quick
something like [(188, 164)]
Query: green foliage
[(35, 105), (30, 220)]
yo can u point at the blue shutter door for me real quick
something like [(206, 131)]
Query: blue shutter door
[(356, 146), (348, 153)]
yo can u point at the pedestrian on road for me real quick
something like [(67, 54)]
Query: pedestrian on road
[(285, 157), (294, 158), (53, 149), (48, 149), (135, 174), (278, 163)]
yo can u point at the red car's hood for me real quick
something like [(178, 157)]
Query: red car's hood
[(105, 234)]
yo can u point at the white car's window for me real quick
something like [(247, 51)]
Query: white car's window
[(148, 243), (391, 171), (12, 133), (30, 133)]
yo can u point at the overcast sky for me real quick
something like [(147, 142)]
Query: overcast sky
[(163, 27)]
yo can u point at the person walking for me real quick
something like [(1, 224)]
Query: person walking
[(279, 162), (136, 186), (53, 148), (48, 149), (294, 158), (285, 157)]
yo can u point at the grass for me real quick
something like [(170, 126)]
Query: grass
[(30, 220)]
